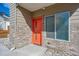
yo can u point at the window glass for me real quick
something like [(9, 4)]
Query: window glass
[(57, 26), (50, 27), (62, 25)]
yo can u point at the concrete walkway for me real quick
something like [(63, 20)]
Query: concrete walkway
[(29, 50), (3, 50)]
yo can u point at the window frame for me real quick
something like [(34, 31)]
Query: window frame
[(44, 32)]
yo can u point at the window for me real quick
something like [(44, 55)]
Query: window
[(62, 25), (50, 27), (57, 26), (50, 22)]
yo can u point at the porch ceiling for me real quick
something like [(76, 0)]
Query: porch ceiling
[(34, 6)]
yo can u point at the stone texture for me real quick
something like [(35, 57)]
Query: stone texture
[(62, 48), (23, 30)]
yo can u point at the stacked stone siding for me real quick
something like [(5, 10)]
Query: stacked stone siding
[(23, 29), (74, 32)]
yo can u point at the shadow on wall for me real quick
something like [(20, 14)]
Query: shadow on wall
[(27, 16)]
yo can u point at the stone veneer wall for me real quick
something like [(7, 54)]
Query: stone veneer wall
[(62, 47), (23, 27), (74, 32)]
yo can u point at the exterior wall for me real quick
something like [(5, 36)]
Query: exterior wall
[(23, 27), (62, 47), (12, 35)]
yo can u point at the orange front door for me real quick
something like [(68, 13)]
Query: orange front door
[(37, 31)]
